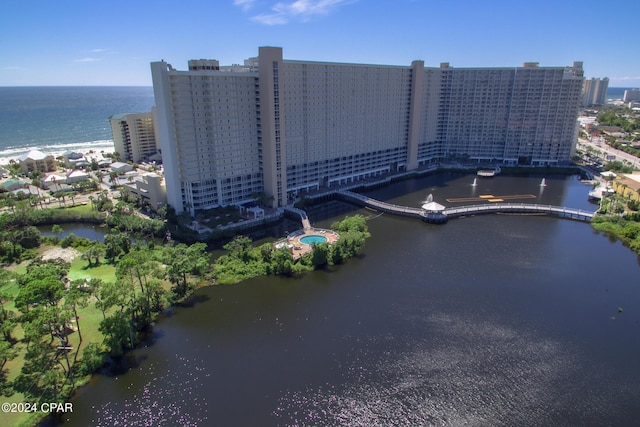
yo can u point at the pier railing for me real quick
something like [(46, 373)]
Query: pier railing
[(522, 208), (378, 205), (516, 208)]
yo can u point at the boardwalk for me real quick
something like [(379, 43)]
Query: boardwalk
[(378, 205), (515, 208), (520, 208)]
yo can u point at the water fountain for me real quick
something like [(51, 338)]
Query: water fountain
[(543, 183), (475, 182)]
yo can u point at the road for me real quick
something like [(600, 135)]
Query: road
[(608, 150)]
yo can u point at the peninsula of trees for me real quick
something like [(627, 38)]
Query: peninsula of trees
[(62, 318)]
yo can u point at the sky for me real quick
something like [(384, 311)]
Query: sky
[(112, 43)]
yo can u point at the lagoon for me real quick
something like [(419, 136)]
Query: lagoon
[(487, 320)]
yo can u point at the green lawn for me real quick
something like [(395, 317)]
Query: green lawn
[(90, 318), (80, 270)]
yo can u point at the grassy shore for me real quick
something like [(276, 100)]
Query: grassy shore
[(90, 321)]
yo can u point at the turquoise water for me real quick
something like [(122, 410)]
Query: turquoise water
[(312, 240)]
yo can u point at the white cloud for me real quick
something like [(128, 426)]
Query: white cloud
[(302, 10), (244, 4), (88, 59), (625, 78)]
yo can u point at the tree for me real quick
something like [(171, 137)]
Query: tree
[(42, 284), (40, 377), (8, 319), (115, 294), (239, 248), (116, 244), (75, 298), (113, 178), (181, 261), (60, 196), (92, 358), (320, 255), (137, 267), (282, 262), (266, 250), (94, 252), (7, 352), (117, 334)]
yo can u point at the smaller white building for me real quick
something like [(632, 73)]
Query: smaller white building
[(121, 167), (150, 187), (54, 181), (77, 176)]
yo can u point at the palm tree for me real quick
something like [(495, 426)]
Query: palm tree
[(113, 177)]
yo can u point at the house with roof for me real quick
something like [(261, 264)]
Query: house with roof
[(54, 181), (36, 160), (77, 176), (74, 159), (13, 184), (121, 167)]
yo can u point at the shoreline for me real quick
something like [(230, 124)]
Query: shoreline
[(56, 150)]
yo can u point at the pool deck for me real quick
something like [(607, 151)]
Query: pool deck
[(298, 248)]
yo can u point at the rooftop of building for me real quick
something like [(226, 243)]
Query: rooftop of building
[(33, 155)]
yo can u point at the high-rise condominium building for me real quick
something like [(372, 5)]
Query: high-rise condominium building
[(631, 95), (594, 92), (133, 135), (285, 126)]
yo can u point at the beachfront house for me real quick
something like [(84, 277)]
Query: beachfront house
[(36, 160)]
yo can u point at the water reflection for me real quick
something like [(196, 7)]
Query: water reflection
[(88, 231), (170, 397), (487, 320)]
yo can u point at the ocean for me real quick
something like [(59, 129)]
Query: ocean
[(57, 119), (616, 92)]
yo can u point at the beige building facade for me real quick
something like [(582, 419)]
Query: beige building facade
[(134, 136), (283, 126)]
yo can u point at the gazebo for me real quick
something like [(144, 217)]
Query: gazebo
[(429, 206), (433, 211)]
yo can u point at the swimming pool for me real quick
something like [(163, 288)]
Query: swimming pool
[(313, 239)]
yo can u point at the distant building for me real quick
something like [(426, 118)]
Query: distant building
[(594, 92), (133, 136), (628, 185), (76, 176), (13, 184), (37, 160), (150, 187), (53, 181), (287, 126), (121, 167), (74, 160), (631, 95)]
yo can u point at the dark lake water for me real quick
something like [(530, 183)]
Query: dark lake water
[(88, 231), (493, 320)]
